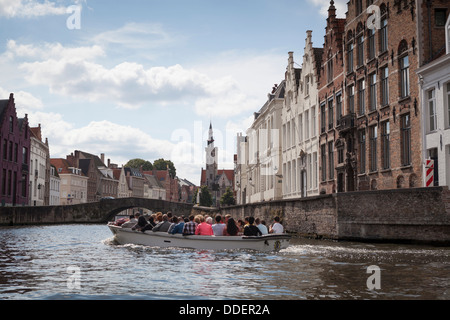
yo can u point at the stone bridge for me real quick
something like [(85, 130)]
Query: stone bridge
[(96, 212)]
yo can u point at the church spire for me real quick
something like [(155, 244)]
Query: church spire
[(210, 137)]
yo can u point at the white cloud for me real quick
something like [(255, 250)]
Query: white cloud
[(75, 72), (24, 100), (341, 7), (29, 8), (135, 36)]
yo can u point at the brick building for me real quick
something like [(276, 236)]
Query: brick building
[(434, 79), (15, 155), (331, 95), (381, 59), (370, 118)]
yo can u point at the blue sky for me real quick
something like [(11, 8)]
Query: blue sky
[(143, 79)]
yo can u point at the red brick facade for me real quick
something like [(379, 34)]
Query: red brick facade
[(375, 141)]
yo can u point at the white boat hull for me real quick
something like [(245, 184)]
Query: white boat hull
[(267, 243)]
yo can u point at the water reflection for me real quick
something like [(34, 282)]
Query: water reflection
[(34, 262)]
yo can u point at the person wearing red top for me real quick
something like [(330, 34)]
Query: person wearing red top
[(204, 229)]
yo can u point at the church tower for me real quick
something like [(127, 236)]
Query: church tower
[(211, 160)]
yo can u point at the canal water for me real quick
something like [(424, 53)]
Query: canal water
[(79, 262)]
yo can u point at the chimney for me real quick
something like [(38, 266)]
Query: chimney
[(102, 156), (109, 163)]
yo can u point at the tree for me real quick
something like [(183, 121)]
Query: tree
[(228, 198), (205, 197), (137, 163), (162, 164)]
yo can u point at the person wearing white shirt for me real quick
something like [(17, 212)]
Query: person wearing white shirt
[(219, 226), (276, 227)]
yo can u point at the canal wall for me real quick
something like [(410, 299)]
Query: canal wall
[(404, 215), (95, 212)]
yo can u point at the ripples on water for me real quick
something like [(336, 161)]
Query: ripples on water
[(34, 262)]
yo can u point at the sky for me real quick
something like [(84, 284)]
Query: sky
[(145, 78)]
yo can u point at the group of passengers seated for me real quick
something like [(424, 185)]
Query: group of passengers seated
[(201, 225)]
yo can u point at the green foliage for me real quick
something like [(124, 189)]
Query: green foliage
[(228, 198), (137, 163), (205, 197), (162, 164)]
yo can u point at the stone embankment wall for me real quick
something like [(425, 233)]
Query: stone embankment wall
[(410, 215)]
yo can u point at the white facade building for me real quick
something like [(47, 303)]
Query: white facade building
[(435, 97), (240, 169), (299, 126), (39, 169), (262, 179), (55, 192)]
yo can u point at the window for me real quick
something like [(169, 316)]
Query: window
[(330, 114), (340, 155), (307, 124), (4, 182), (5, 149), (359, 7), (404, 77), (323, 149), (432, 120), (373, 92), (338, 107), (350, 57), (440, 17), (385, 139), (10, 151), (16, 150), (330, 70), (373, 135), (371, 43), (385, 86), (314, 175), (313, 121), (351, 99), (405, 125), (383, 36), (300, 128), (306, 85), (360, 43), (9, 182), (322, 117), (362, 151), (24, 155), (331, 159), (361, 97), (11, 124)]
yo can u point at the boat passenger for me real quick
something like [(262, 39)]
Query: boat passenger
[(204, 228), (178, 226), (130, 223), (251, 230), (276, 227), (231, 228), (189, 227), (240, 226), (218, 226), (151, 224), (162, 226), (142, 222), (261, 226)]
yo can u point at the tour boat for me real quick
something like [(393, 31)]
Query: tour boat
[(267, 243)]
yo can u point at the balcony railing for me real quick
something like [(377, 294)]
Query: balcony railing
[(346, 123)]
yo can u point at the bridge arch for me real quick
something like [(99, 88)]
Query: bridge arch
[(110, 208)]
